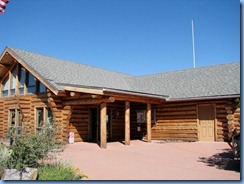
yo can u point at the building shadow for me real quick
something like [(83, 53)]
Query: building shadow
[(223, 160)]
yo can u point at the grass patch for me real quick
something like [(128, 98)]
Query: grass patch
[(59, 171)]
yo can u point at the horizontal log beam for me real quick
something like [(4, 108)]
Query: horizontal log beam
[(89, 101), (91, 96), (63, 94), (139, 100), (74, 94), (83, 90), (135, 98), (4, 65)]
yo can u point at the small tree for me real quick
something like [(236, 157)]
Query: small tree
[(29, 149)]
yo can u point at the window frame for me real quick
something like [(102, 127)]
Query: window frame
[(17, 120), (28, 86), (13, 77), (21, 78), (17, 82), (6, 80), (38, 87), (45, 117)]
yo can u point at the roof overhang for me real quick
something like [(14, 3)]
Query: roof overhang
[(203, 98), (119, 94)]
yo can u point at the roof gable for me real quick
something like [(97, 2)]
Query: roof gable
[(57, 71)]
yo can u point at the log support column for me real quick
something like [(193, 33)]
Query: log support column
[(127, 123), (103, 125), (149, 136)]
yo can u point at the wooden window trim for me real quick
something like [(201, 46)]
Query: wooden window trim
[(17, 81), (5, 90), (9, 84), (38, 84), (8, 74), (45, 114), (27, 74), (11, 80), (16, 119)]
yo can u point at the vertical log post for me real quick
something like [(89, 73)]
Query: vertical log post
[(103, 125), (149, 121), (127, 123)]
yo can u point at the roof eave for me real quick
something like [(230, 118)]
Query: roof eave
[(104, 91), (203, 98), (161, 97)]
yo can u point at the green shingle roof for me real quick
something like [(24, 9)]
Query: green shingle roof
[(211, 81)]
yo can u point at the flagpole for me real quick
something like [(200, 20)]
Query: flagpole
[(193, 46)]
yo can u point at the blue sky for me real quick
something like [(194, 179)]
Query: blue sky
[(132, 36)]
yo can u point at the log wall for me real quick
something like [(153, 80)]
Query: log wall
[(237, 117), (174, 120), (79, 122), (1, 118), (27, 105), (178, 120)]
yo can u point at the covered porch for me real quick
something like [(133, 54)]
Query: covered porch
[(114, 116)]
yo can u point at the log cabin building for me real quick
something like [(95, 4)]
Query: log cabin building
[(102, 105)]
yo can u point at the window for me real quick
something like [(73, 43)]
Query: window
[(19, 121), (15, 120), (13, 81), (5, 87), (40, 87), (43, 116), (31, 83), (39, 118), (12, 118), (26, 83), (21, 80)]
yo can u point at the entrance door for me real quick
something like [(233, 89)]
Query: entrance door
[(94, 117), (206, 116), (95, 124)]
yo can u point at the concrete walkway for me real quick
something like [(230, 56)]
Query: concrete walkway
[(154, 161)]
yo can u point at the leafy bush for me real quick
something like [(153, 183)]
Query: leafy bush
[(5, 153), (59, 171), (28, 149)]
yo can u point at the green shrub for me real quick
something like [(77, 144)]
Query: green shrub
[(29, 149), (5, 153), (59, 171)]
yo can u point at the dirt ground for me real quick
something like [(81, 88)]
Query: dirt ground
[(157, 160)]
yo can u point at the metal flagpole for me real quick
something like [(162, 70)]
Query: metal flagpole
[(193, 46)]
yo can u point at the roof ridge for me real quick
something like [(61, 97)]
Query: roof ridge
[(186, 69), (74, 62)]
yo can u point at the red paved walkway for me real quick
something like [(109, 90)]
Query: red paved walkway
[(154, 161)]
